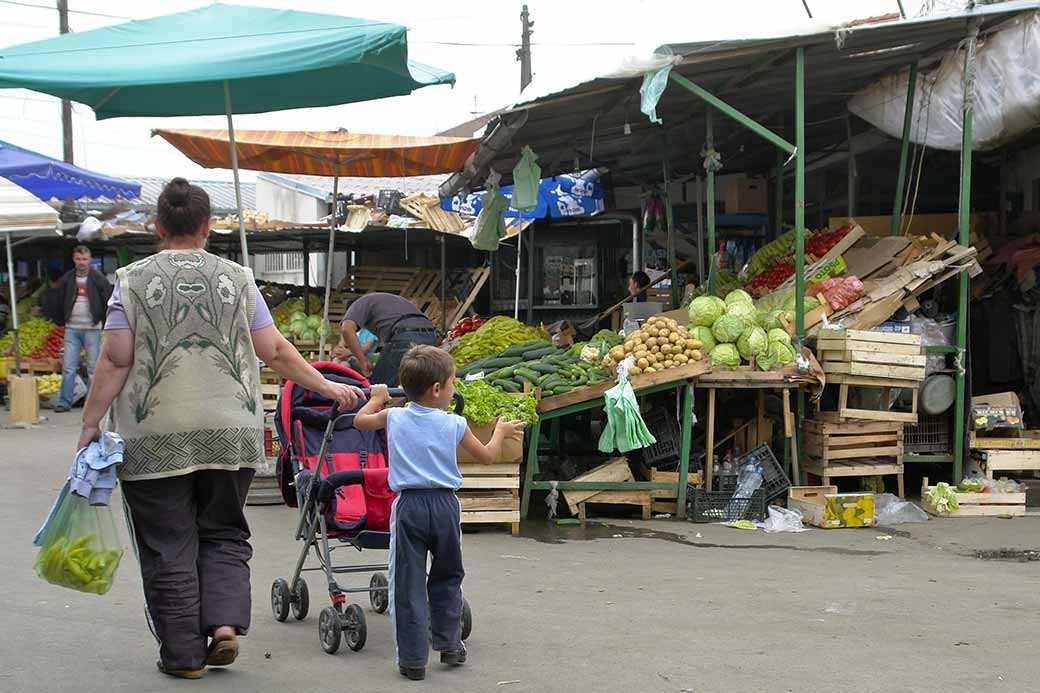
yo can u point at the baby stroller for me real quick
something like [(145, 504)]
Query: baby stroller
[(337, 476)]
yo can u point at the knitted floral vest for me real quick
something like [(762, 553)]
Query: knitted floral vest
[(192, 398)]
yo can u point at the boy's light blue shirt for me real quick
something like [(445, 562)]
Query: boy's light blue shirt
[(422, 444)]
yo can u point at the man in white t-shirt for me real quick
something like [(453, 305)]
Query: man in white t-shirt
[(85, 293)]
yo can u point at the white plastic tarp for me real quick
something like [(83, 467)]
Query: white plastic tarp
[(1006, 93)]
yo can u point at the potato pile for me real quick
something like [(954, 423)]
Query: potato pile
[(659, 345)]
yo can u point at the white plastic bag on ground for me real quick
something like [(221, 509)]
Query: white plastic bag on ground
[(782, 520), (890, 509)]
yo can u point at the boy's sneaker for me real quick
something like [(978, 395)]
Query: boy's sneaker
[(454, 657), (413, 673)]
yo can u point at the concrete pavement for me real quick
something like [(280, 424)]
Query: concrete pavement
[(633, 606)]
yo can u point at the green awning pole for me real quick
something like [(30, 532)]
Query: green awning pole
[(778, 210), (908, 113), (799, 192), (963, 210), (709, 146)]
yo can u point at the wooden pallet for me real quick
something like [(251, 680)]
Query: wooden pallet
[(490, 494), (979, 504), (663, 500), (861, 467)]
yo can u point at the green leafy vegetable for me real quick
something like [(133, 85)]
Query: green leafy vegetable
[(485, 404)]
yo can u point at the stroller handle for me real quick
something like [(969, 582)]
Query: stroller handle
[(334, 412)]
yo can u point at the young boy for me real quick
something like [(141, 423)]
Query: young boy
[(425, 517)]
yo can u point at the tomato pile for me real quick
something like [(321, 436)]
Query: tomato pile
[(771, 277), (464, 326), (821, 243), (52, 346)]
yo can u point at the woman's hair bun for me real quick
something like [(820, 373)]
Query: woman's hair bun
[(182, 208), (177, 192)]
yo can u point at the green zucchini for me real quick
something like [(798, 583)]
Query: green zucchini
[(560, 389), (539, 352), (528, 374), (502, 361), (542, 367), (507, 385), (519, 349)]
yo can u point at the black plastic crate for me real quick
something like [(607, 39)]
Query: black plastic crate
[(721, 506), (774, 479), (663, 426), (931, 434)]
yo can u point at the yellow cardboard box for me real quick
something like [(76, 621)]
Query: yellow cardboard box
[(823, 506)]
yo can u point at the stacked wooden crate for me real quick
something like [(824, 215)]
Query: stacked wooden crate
[(872, 360), (854, 448), (1006, 450), (490, 493)]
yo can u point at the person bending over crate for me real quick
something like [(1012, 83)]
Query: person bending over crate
[(425, 518)]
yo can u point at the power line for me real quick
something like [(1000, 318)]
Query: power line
[(55, 9)]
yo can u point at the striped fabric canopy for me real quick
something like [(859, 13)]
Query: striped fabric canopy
[(324, 153)]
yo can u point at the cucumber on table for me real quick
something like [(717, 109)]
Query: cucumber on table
[(540, 352), (519, 349)]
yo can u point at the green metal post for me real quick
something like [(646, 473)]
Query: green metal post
[(733, 113), (799, 191), (684, 451), (710, 201), (963, 210), (778, 193), (532, 467), (666, 174), (908, 113)]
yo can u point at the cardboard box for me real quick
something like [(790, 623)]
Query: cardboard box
[(823, 506), (512, 450), (998, 410), (743, 195)]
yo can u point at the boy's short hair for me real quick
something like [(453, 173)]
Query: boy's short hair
[(423, 366)]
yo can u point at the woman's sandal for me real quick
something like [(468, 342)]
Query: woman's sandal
[(181, 673), (222, 652)]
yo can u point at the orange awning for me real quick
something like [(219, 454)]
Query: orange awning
[(324, 153)]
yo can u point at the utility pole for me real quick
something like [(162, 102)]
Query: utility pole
[(523, 54), (66, 106)]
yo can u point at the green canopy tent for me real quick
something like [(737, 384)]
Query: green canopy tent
[(200, 62)]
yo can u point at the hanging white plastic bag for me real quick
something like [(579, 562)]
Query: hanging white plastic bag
[(526, 177)]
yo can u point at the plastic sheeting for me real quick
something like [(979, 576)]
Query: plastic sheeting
[(1006, 93)]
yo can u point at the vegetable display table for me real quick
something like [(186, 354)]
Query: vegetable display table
[(744, 378), (585, 399)]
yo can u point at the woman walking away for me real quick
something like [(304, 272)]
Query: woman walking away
[(179, 369)]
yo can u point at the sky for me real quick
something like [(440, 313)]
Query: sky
[(476, 40)]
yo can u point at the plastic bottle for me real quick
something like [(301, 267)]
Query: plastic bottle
[(748, 481)]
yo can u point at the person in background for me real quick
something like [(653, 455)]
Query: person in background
[(50, 304), (368, 341), (398, 324), (5, 315), (84, 294), (636, 283), (179, 370)]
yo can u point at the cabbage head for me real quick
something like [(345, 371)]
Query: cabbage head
[(811, 303), (752, 342), (704, 311), (728, 328), (725, 355), (705, 336), (772, 320), (743, 310), (720, 303), (782, 353), (739, 296), (776, 335), (764, 361)]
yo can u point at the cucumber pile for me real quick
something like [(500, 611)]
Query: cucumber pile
[(539, 363)]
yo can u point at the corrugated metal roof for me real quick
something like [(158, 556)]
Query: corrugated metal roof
[(221, 193), (351, 185)]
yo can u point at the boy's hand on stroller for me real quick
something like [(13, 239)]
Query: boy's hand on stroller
[(346, 395), (510, 430), (380, 394)]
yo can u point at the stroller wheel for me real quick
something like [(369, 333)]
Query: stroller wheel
[(467, 620), (301, 599), (354, 624), (330, 632), (280, 599), (379, 595)]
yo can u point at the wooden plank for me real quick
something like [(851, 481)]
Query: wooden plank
[(873, 370), (475, 482), (640, 498), (695, 478), (843, 469), (639, 382), (1003, 443), (490, 516), (870, 347), (664, 507), (979, 510), (838, 441), (1012, 460), (867, 381), (874, 357), (851, 427), (873, 415), (877, 311), (501, 469), (478, 283), (859, 453), (490, 502), (613, 470), (872, 336)]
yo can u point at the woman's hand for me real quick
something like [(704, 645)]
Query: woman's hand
[(346, 395), (87, 435)]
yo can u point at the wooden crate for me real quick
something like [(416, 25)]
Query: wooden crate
[(979, 504), (490, 494), (23, 399), (828, 441), (1011, 460), (663, 500), (1016, 439), (847, 413), (270, 388), (864, 467), (639, 498)]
